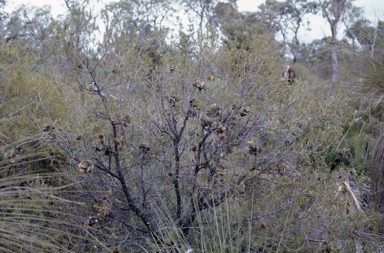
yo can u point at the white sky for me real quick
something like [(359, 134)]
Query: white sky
[(374, 9)]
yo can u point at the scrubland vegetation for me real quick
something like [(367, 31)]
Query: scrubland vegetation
[(153, 142)]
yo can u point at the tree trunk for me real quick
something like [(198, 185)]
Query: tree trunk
[(335, 63)]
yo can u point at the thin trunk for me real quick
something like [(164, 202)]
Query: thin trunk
[(335, 63)]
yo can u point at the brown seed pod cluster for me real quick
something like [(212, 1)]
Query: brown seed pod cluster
[(48, 128), (210, 78), (86, 166), (100, 137), (144, 147), (253, 149), (92, 221), (326, 248), (80, 64), (173, 100), (193, 103), (99, 144), (114, 122), (244, 111), (199, 84), (218, 127)]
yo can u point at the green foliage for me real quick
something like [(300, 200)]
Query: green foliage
[(171, 145), (34, 213)]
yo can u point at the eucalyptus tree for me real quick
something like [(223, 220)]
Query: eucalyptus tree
[(370, 37), (353, 18), (202, 11), (28, 24), (135, 16), (145, 24), (271, 14), (3, 13), (287, 18), (77, 32), (334, 11), (235, 26), (361, 32)]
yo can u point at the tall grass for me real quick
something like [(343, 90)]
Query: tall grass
[(34, 217)]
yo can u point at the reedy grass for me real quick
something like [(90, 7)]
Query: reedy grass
[(35, 217)]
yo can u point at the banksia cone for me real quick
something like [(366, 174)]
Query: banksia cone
[(114, 122), (86, 166), (48, 128), (210, 78), (326, 248), (100, 137), (173, 100), (92, 221), (253, 149), (218, 127), (199, 84), (144, 147), (192, 102), (244, 111)]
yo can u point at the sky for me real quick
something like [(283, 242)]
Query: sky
[(373, 10), (319, 28)]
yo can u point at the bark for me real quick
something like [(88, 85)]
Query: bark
[(333, 11), (335, 63)]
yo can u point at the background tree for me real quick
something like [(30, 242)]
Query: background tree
[(236, 27), (334, 11), (288, 17), (271, 15), (204, 11), (354, 18)]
